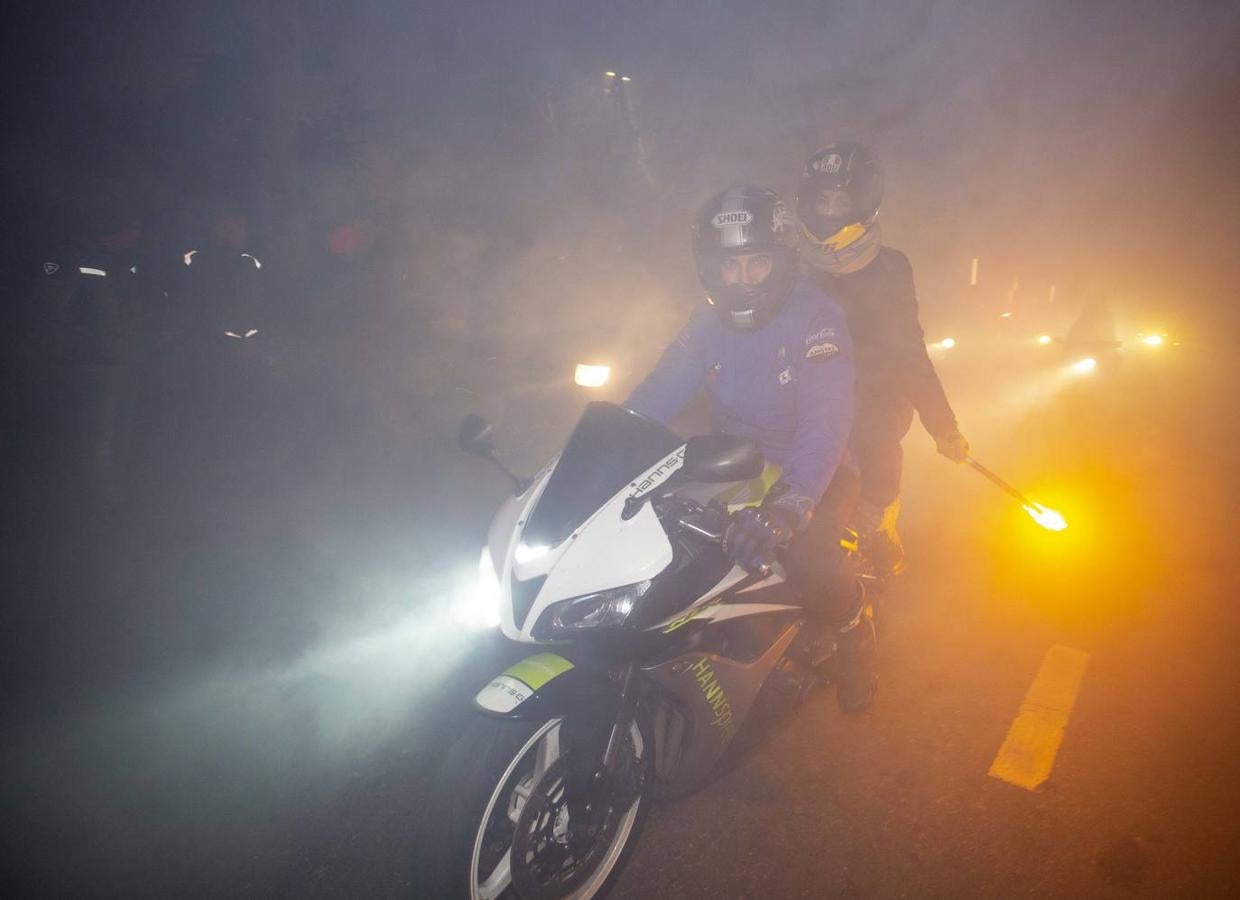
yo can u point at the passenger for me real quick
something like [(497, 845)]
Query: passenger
[(841, 243)]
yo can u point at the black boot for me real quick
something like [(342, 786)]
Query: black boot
[(885, 553), (857, 663)]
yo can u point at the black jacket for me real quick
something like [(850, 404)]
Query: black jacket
[(894, 372)]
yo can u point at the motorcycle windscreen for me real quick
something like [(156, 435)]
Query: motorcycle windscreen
[(609, 447)]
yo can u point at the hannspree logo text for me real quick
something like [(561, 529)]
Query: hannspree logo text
[(712, 691)]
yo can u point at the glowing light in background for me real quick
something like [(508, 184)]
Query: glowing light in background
[(1005, 315), (592, 376), (1047, 518), (1084, 366), (947, 343), (1152, 340), (1044, 339)]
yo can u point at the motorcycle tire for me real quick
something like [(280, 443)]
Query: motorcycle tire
[(489, 775)]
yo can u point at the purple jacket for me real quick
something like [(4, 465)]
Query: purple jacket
[(787, 385)]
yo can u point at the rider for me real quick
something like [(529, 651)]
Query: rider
[(837, 204), (775, 356)]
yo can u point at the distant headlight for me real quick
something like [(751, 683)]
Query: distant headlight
[(591, 376), (606, 609)]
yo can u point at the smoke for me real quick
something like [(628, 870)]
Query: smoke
[(511, 216), (214, 761)]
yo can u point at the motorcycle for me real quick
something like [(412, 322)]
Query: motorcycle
[(654, 650)]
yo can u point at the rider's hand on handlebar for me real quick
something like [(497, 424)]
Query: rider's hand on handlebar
[(755, 535)]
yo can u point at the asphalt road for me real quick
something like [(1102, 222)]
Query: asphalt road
[(303, 771)]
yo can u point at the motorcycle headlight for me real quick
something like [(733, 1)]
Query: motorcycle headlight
[(478, 603), (606, 609)]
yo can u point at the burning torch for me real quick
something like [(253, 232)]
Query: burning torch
[(1047, 518)]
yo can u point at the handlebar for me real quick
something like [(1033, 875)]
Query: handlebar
[(710, 522)]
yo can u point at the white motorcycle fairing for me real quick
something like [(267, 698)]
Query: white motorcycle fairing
[(606, 552), (512, 514)]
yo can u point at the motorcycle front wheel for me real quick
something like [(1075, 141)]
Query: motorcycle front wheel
[(504, 825)]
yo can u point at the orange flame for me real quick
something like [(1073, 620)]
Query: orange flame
[(1047, 518)]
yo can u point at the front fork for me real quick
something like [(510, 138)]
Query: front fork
[(625, 714), (597, 708), (596, 784)]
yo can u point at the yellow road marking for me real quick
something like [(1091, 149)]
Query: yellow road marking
[(1028, 752)]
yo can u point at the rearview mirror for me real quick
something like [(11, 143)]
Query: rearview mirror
[(716, 458), (475, 435)]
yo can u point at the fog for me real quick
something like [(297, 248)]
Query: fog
[(196, 674)]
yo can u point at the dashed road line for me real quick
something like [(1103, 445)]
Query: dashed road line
[(1028, 751)]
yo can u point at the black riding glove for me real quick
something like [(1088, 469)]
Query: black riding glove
[(753, 538), (755, 535)]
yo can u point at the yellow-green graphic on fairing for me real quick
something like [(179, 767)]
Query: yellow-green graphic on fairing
[(515, 684), (539, 669), (751, 492)]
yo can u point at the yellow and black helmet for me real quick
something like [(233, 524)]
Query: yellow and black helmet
[(839, 195)]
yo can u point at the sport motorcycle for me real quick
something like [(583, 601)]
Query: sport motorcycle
[(650, 649)]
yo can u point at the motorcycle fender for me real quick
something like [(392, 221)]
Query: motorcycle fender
[(542, 686)]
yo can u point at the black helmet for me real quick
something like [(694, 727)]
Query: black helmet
[(851, 169), (739, 221)]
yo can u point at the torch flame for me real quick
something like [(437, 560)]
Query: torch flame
[(1047, 518)]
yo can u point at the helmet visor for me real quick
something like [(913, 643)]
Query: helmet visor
[(745, 270), (829, 216), (833, 203)]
